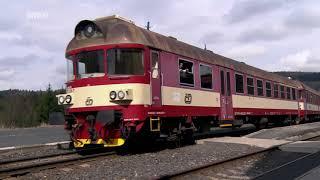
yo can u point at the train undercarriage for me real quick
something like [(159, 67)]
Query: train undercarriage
[(108, 129)]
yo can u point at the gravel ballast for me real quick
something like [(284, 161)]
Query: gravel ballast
[(33, 152), (149, 165)]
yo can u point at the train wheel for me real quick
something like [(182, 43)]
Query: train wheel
[(174, 141), (189, 138), (296, 121)]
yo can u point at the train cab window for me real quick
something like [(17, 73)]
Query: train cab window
[(275, 90), (294, 94), (282, 94), (250, 86), (90, 64), (239, 83), (259, 87), (70, 68), (205, 76), (125, 62), (288, 93), (268, 89), (186, 72)]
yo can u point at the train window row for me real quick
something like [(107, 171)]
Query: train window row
[(186, 71), (312, 98), (285, 92)]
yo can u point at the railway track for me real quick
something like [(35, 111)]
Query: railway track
[(292, 169), (18, 167), (289, 170)]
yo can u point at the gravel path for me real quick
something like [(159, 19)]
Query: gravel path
[(148, 165)]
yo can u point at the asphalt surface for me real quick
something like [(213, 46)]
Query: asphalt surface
[(41, 135), (31, 136)]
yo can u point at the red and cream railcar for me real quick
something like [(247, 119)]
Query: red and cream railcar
[(309, 103), (126, 81)]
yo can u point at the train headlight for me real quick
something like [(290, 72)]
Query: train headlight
[(121, 95), (89, 30), (68, 99), (113, 95), (61, 99)]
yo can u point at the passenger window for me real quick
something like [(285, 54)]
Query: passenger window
[(222, 82), (299, 94), (288, 93), (186, 72), (259, 88), (155, 65), (275, 90), (268, 89), (228, 84), (250, 86), (294, 94), (205, 76), (239, 83), (283, 96)]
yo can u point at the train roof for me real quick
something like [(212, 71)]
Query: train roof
[(117, 30)]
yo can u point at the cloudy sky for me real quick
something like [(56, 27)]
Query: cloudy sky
[(270, 34)]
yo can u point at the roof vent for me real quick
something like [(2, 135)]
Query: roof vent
[(171, 37), (117, 17)]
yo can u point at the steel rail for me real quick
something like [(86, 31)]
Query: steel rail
[(24, 169), (194, 169)]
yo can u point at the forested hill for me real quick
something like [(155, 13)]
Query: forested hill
[(312, 79), (24, 108)]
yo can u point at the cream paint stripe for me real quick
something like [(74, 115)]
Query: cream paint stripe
[(312, 107), (307, 106), (240, 101), (176, 97), (100, 94), (301, 105)]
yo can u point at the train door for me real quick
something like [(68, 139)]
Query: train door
[(226, 116), (155, 80), (301, 104)]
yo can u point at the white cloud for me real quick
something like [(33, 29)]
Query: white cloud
[(9, 36), (246, 9), (256, 32), (246, 52), (305, 60), (6, 74)]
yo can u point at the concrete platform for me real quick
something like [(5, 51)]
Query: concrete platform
[(302, 146), (262, 143), (295, 133), (10, 138)]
